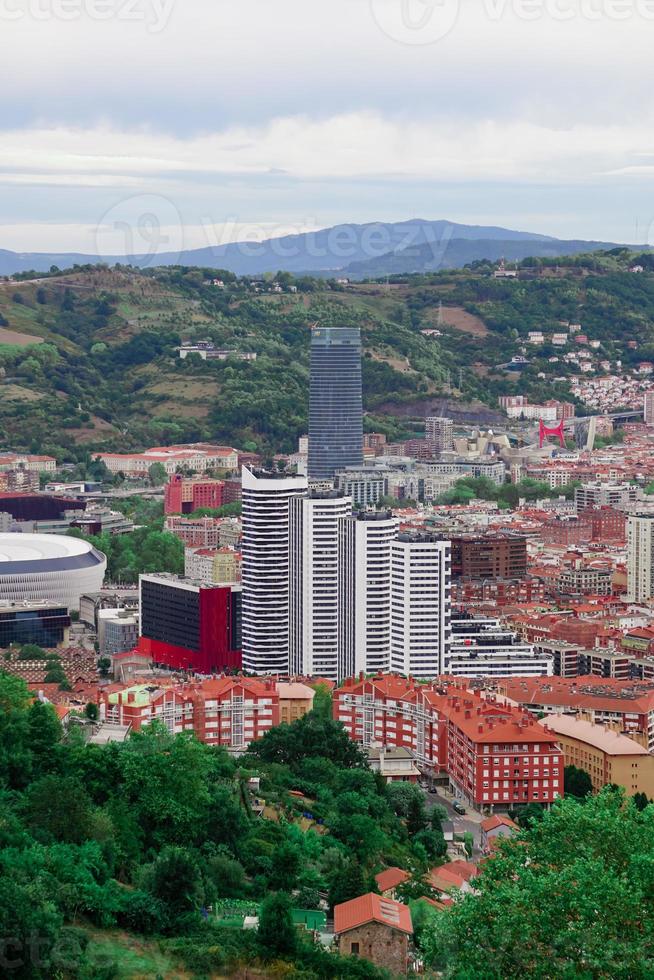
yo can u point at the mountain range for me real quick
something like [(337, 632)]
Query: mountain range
[(357, 251)]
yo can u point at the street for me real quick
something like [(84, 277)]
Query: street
[(462, 824)]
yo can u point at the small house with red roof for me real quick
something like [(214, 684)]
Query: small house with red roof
[(375, 928), (390, 879), (499, 825)]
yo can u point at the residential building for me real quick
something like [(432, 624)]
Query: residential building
[(648, 407), (366, 569), (335, 401), (366, 486), (120, 632), (608, 756), (318, 598), (482, 647), (629, 704), (295, 700), (585, 580), (377, 929), (420, 604), (266, 568), (439, 432), (389, 880), (197, 532), (190, 625), (227, 711), (494, 754), (640, 556), (212, 565), (489, 556), (615, 495), (494, 828)]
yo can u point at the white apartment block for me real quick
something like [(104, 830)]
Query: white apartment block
[(482, 647), (618, 495), (367, 544), (265, 571), (640, 564), (420, 604), (317, 605)]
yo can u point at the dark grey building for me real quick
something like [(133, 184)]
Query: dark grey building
[(335, 405)]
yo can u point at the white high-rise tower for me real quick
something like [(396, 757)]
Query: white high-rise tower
[(317, 600), (420, 604), (640, 556), (265, 572), (367, 541)]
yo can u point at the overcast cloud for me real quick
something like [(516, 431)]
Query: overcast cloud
[(272, 115)]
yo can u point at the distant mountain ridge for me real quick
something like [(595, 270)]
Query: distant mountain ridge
[(356, 250)]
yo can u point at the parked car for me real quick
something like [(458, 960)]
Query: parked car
[(458, 807)]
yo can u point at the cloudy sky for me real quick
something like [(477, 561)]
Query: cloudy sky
[(200, 121)]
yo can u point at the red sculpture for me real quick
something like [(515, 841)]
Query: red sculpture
[(545, 431)]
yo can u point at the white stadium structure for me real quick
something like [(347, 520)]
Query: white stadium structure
[(48, 566)]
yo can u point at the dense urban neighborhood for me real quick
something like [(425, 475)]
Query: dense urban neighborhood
[(369, 705)]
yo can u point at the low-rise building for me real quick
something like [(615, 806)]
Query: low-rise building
[(228, 711), (375, 928), (606, 755)]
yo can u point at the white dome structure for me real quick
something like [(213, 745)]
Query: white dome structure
[(49, 567)]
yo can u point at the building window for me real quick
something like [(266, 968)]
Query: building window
[(354, 949)]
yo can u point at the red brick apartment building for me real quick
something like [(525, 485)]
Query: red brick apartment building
[(495, 755), (228, 711), (489, 556)]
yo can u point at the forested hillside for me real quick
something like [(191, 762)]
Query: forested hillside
[(88, 358)]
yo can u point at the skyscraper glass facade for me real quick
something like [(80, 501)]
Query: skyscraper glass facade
[(335, 403)]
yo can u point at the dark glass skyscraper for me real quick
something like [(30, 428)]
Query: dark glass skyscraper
[(335, 405)]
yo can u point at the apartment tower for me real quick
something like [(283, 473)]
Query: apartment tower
[(640, 556), (420, 604), (265, 569), (439, 432), (318, 604), (367, 541)]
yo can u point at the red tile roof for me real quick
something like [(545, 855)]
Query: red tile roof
[(391, 878), (372, 908), (497, 820)]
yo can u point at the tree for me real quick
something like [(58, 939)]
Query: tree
[(276, 934), (177, 881), (157, 474), (416, 818), (30, 925), (640, 800), (58, 809), (577, 782), (285, 867), (570, 898), (91, 711), (104, 666)]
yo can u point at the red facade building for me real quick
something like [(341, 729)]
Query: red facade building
[(494, 754), (228, 711), (183, 494), (190, 625)]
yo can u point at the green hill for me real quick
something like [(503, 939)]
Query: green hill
[(88, 358)]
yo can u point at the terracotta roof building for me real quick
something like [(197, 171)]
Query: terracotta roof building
[(375, 928)]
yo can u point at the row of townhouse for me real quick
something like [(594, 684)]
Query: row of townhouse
[(494, 754), (227, 711)]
